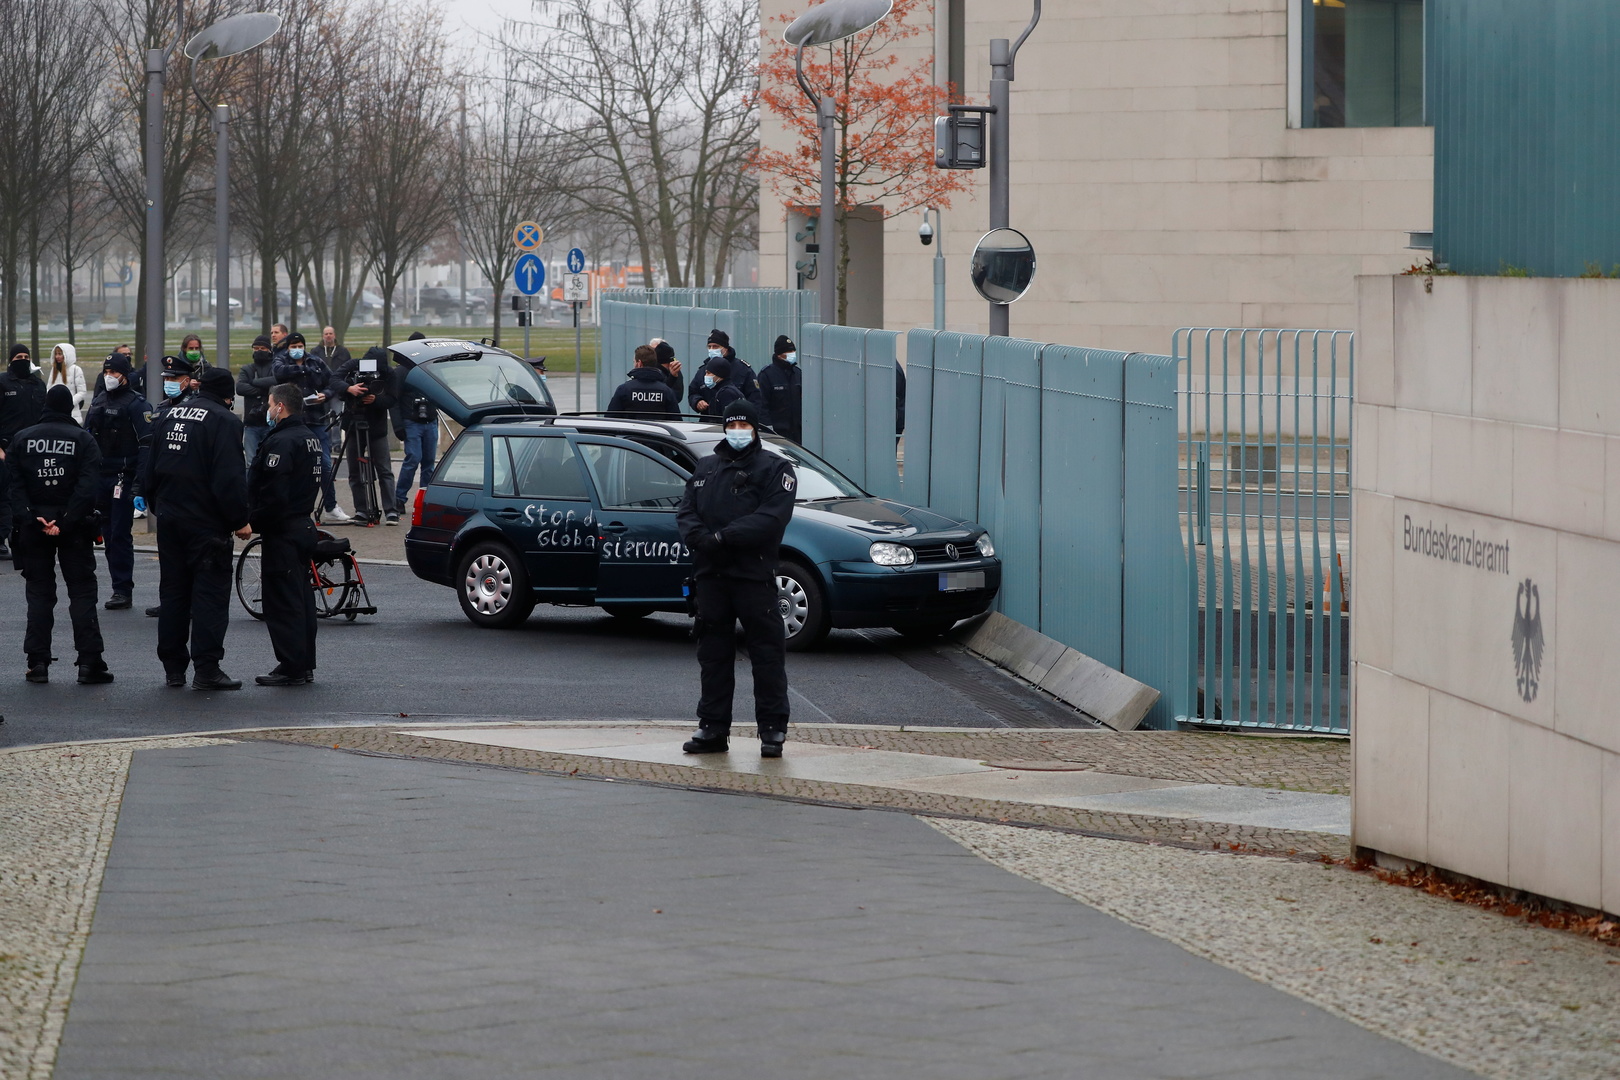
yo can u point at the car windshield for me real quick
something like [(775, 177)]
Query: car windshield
[(817, 479)]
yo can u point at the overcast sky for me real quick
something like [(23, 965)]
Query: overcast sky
[(468, 18)]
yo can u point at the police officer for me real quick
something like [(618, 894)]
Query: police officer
[(669, 365), (735, 510), (715, 390), (120, 421), (22, 398), (197, 482), (56, 467), (782, 383), (283, 483), (178, 384), (740, 375), (645, 395)]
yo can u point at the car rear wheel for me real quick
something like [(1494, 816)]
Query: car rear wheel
[(493, 587), (803, 607)]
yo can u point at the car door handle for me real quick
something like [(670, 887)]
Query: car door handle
[(616, 527), (508, 514)]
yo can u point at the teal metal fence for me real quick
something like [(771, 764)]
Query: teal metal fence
[(628, 324), (1266, 436), (1067, 456), (759, 315)]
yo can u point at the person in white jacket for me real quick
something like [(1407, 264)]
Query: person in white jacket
[(65, 371)]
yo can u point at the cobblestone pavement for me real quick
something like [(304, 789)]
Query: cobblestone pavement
[(275, 910), (1492, 994), (1201, 834), (58, 806)]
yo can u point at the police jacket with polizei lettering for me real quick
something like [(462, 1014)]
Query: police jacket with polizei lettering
[(195, 475), (22, 400), (735, 510), (56, 471), (646, 396), (782, 384), (121, 423), (284, 479)]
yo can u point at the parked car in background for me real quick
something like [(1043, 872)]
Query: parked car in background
[(444, 302), (205, 298)]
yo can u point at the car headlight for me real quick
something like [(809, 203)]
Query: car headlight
[(986, 548), (892, 554)]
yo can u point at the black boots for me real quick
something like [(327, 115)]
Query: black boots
[(284, 678), (94, 672), (770, 743), (214, 680), (706, 741), (39, 671)]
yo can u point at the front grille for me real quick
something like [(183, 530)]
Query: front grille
[(935, 552)]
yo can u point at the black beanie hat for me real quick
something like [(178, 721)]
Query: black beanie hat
[(720, 337), (665, 352), (217, 382), (120, 363), (784, 344), (742, 409), (718, 366), (261, 340), (59, 399), (15, 350), (294, 338)]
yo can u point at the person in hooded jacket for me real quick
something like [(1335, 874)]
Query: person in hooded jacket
[(783, 386), (22, 399), (367, 386), (65, 371), (735, 510), (283, 484), (739, 374), (57, 467), (120, 421), (645, 395), (197, 482)]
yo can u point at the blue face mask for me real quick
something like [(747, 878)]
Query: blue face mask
[(708, 380), (171, 388), (791, 357), (296, 354), (715, 354), (269, 418), (739, 440)]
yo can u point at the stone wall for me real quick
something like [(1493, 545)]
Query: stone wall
[(1486, 598)]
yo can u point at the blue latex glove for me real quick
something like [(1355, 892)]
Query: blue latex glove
[(140, 504)]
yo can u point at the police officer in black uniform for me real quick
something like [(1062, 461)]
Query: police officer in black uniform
[(737, 373), (283, 483), (56, 466), (197, 482), (120, 421), (645, 395), (782, 383), (22, 399), (736, 508), (178, 384)]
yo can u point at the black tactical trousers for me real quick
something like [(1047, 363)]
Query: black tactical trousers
[(289, 601), (37, 556), (194, 596), (721, 604)]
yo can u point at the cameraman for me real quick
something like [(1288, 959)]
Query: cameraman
[(367, 386)]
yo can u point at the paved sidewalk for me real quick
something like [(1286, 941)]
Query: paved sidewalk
[(278, 910)]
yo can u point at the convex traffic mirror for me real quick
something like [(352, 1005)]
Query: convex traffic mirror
[(1003, 265)]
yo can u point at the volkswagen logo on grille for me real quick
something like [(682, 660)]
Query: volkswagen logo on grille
[(951, 553)]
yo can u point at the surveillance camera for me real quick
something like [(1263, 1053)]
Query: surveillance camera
[(926, 233)]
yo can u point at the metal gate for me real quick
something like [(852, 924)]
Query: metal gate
[(1265, 502)]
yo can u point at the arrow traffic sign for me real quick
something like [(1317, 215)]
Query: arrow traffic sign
[(527, 236), (530, 274), (576, 261)]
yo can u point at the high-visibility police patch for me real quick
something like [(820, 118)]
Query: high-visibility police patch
[(273, 460), (789, 481)]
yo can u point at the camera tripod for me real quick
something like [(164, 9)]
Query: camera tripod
[(377, 501)]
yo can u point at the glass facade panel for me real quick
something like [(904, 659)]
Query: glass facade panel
[(1367, 63)]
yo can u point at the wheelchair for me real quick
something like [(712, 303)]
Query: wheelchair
[(334, 574)]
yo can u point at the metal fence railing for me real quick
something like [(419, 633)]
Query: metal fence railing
[(758, 315), (1265, 451)]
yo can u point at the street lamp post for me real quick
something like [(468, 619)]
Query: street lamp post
[(822, 25), (1001, 77), (935, 234), (157, 61)]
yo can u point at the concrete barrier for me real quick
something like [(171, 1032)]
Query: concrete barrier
[(1107, 696)]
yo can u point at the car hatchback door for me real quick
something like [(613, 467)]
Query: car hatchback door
[(540, 500), (641, 558)]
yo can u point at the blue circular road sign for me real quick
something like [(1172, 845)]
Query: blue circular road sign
[(576, 261), (530, 274)]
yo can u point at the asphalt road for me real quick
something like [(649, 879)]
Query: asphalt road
[(419, 657)]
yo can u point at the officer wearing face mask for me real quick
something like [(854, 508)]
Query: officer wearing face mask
[(309, 372), (22, 399), (197, 482), (782, 383), (735, 510), (739, 374), (283, 484), (178, 385), (120, 421), (715, 389)]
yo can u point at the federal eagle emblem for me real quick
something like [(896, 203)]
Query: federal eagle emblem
[(273, 460), (789, 481), (1528, 642)]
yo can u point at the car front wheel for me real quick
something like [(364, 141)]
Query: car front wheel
[(803, 606), (493, 587)]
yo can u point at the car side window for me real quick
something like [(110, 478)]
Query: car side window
[(541, 468), (626, 480), (669, 450), (463, 465)]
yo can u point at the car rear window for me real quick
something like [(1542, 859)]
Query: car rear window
[(463, 464)]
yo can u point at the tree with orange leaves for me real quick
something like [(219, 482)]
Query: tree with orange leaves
[(884, 125)]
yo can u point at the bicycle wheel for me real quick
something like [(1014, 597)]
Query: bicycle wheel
[(334, 584), (249, 579)]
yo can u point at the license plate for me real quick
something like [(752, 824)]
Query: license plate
[(962, 581)]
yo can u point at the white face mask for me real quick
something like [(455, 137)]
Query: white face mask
[(114, 381)]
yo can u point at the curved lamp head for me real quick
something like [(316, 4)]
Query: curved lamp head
[(835, 20), (237, 34)]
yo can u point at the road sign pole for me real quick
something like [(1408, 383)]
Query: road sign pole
[(528, 321), (579, 402)]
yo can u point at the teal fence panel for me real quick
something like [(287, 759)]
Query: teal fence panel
[(954, 450), (810, 357), (843, 400), (882, 474), (1154, 609), (1082, 494), (1266, 452), (626, 325), (1016, 365), (918, 441), (759, 315)]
